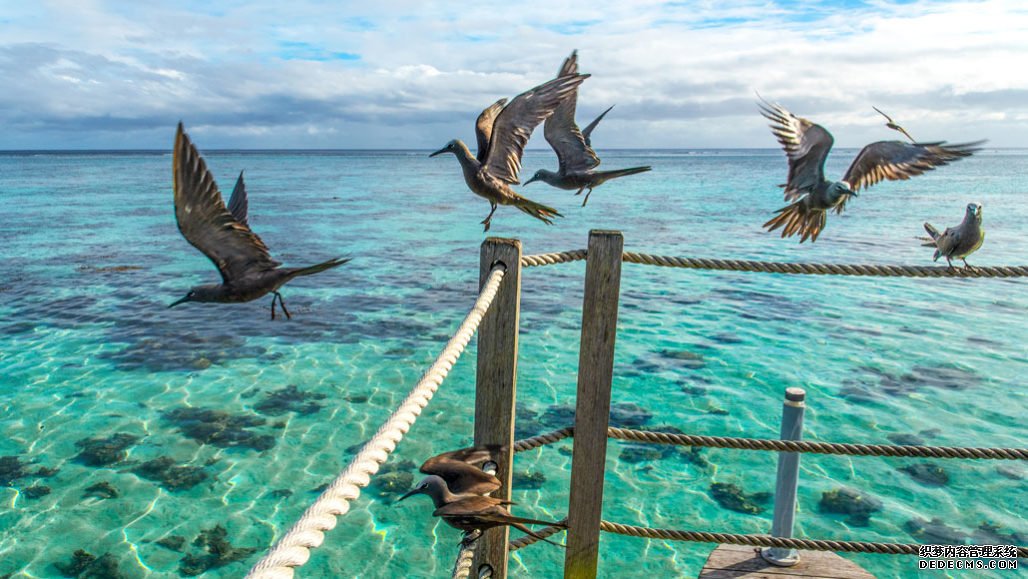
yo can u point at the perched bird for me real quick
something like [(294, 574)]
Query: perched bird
[(892, 124), (960, 241), (575, 154), (812, 195), (222, 234), (463, 470), (502, 132), (471, 513)]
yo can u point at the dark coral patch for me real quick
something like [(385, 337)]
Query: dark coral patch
[(290, 399), (934, 532), (101, 490), (105, 451), (171, 476), (220, 428), (88, 566), (858, 505), (927, 473), (731, 496), (216, 552)]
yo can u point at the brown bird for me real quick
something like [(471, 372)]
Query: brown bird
[(575, 154), (892, 124), (222, 234), (812, 195), (462, 470), (502, 132), (960, 241), (473, 513)]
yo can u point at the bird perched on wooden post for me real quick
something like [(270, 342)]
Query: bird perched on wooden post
[(222, 234), (464, 470), (812, 195), (892, 124), (502, 133), (960, 241), (575, 154), (471, 513)]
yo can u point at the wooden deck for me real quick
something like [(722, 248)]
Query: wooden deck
[(741, 562)]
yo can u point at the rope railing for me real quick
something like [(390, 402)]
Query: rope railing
[(787, 268), (802, 446), (293, 548), (465, 558), (541, 534), (769, 541)]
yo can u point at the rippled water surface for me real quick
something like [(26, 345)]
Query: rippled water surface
[(164, 424)]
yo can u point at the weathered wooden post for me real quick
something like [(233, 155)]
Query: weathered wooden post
[(592, 407), (496, 384), (788, 480)]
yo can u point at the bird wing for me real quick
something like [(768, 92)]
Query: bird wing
[(562, 132), (948, 241), (484, 128), (806, 145), (461, 477), (899, 161), (515, 123), (206, 223), (588, 130), (238, 205)]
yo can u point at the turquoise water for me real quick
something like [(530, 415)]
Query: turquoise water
[(90, 258)]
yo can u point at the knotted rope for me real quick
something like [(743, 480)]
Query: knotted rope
[(791, 268), (465, 558), (293, 549)]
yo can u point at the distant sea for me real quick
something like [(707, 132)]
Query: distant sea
[(135, 432)]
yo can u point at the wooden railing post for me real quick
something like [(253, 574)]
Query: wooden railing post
[(592, 407), (496, 384)]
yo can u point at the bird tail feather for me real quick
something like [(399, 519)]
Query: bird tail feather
[(528, 531), (311, 270), (932, 231), (798, 218), (537, 210), (607, 175)]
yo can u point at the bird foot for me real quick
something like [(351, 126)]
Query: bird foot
[(487, 223), (470, 537)]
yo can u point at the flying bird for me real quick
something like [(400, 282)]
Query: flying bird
[(575, 154), (463, 470), (472, 513), (502, 130), (811, 195), (892, 124), (960, 241), (222, 234)]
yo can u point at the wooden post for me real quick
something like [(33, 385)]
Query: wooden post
[(496, 384), (592, 408)]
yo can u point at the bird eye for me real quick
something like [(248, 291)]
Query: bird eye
[(190, 294)]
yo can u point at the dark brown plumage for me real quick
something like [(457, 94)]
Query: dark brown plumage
[(222, 234), (462, 469), (812, 195)]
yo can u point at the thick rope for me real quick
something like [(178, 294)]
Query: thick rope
[(792, 268), (543, 439), (465, 558), (293, 549), (546, 533), (769, 541), (819, 447)]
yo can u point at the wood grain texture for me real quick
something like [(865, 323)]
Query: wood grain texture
[(742, 562), (496, 384), (592, 407)]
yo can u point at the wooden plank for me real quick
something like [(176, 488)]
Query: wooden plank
[(592, 407), (496, 384), (740, 561)]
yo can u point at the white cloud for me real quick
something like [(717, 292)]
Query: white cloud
[(262, 74)]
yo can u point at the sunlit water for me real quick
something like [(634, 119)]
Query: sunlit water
[(90, 257)]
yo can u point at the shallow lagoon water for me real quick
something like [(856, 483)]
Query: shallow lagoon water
[(90, 258)]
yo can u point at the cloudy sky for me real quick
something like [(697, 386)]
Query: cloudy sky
[(394, 74)]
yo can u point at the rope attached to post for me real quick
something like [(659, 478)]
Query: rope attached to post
[(545, 533), (788, 268), (465, 558), (293, 549), (768, 541)]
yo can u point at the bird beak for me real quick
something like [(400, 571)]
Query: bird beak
[(181, 301), (439, 152), (411, 492), (532, 180)]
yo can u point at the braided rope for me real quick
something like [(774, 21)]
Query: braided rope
[(552, 258), (293, 549), (543, 439), (819, 447), (768, 541), (465, 558), (791, 268), (542, 534)]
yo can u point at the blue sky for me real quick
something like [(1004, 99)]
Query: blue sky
[(396, 74)]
